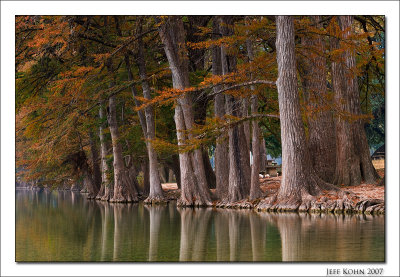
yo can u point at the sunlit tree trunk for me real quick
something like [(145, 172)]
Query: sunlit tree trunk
[(194, 189), (299, 180)]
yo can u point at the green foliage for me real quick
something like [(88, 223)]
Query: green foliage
[(375, 129)]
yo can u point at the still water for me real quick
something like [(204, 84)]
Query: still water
[(65, 226)]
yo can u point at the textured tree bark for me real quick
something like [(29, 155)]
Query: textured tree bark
[(96, 178), (88, 182), (321, 141), (353, 162), (197, 63), (246, 125), (368, 172), (106, 190), (299, 180), (124, 188), (194, 189), (146, 178), (142, 118), (255, 191), (221, 149), (156, 193), (346, 171), (263, 154), (238, 153)]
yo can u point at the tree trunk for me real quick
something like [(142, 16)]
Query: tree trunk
[(96, 178), (255, 191), (106, 190), (353, 162), (368, 172), (299, 180), (321, 142), (156, 193), (88, 182), (124, 189), (221, 149), (246, 124), (194, 184), (346, 171), (263, 154), (146, 179), (239, 164)]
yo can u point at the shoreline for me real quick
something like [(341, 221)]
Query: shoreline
[(353, 201)]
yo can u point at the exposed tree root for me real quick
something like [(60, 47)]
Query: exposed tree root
[(334, 202), (155, 201), (108, 194), (242, 204), (184, 202), (91, 196), (370, 206)]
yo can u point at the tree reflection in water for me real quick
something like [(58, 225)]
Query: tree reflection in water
[(328, 237), (50, 228)]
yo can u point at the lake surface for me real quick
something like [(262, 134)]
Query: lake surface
[(65, 226)]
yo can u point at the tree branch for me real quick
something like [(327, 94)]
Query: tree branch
[(255, 82)]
